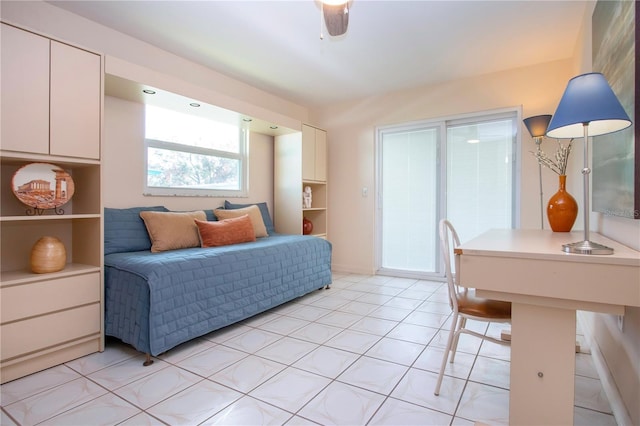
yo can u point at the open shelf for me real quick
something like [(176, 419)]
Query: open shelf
[(80, 236), (300, 161), (318, 194), (85, 200)]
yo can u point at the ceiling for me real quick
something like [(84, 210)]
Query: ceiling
[(389, 45)]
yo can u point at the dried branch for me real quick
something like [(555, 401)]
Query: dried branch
[(558, 164)]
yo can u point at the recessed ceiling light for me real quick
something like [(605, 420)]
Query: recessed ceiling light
[(273, 127), (248, 120), (149, 91), (194, 104), (473, 141)]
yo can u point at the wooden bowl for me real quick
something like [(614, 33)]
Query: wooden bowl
[(48, 255)]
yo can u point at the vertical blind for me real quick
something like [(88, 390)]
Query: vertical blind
[(459, 169), (480, 175), (410, 191)]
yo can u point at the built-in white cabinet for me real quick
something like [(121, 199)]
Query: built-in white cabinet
[(50, 96), (314, 154), (300, 161), (51, 113)]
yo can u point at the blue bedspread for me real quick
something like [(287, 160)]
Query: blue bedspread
[(155, 301)]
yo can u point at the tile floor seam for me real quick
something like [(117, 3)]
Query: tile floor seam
[(10, 416), (377, 410), (71, 408), (297, 413), (220, 410), (432, 296), (455, 411)]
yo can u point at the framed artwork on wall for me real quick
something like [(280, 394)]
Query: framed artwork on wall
[(616, 156)]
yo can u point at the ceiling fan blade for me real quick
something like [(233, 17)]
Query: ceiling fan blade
[(336, 18)]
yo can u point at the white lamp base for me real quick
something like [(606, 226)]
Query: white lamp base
[(586, 247)]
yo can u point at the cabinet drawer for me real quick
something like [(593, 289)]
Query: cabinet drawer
[(42, 297), (37, 333)]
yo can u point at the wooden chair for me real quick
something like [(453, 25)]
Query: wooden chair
[(464, 302)]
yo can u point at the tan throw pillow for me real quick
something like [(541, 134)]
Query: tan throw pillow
[(225, 232), (254, 215), (172, 230)]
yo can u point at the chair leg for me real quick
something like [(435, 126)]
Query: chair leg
[(454, 348), (452, 332)]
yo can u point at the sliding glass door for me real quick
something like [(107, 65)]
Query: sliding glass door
[(409, 186), (461, 169)]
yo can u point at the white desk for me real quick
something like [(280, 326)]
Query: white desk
[(546, 286)]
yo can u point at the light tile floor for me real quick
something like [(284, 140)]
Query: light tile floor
[(366, 351)]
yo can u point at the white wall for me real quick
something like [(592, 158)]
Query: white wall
[(351, 132), (234, 95), (122, 146), (619, 346), (626, 231), (123, 159), (351, 129)]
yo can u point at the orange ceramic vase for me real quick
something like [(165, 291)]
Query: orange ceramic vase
[(562, 209)]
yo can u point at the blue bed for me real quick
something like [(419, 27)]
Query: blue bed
[(155, 301)]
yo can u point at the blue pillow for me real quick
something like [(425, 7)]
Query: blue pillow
[(211, 217), (124, 229), (264, 211)]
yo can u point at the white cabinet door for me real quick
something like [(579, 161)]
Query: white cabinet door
[(314, 154), (321, 155), (308, 153), (75, 102), (25, 91)]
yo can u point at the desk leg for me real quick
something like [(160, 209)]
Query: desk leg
[(542, 365)]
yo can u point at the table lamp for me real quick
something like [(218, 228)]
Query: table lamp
[(537, 127), (588, 107)]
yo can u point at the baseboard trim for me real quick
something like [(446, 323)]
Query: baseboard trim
[(349, 269), (608, 383)]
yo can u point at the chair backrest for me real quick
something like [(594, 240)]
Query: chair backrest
[(448, 242)]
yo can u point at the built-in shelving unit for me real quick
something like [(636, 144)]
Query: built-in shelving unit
[(52, 97), (301, 161)]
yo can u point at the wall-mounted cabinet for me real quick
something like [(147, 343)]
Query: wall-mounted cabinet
[(51, 95), (51, 113), (314, 154), (300, 161)]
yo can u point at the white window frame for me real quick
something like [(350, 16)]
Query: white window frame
[(242, 156)]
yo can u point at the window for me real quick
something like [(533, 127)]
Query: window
[(192, 155), (481, 174), (461, 169)]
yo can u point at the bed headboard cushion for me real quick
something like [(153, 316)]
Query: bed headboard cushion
[(227, 231), (264, 211), (124, 229), (172, 230), (254, 214)]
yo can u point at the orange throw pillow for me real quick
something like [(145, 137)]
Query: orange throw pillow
[(225, 232)]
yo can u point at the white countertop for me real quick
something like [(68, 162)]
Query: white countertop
[(547, 245)]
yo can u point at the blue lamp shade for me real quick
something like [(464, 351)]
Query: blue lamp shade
[(588, 99)]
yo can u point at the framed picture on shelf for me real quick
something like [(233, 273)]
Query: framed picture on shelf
[(42, 186)]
